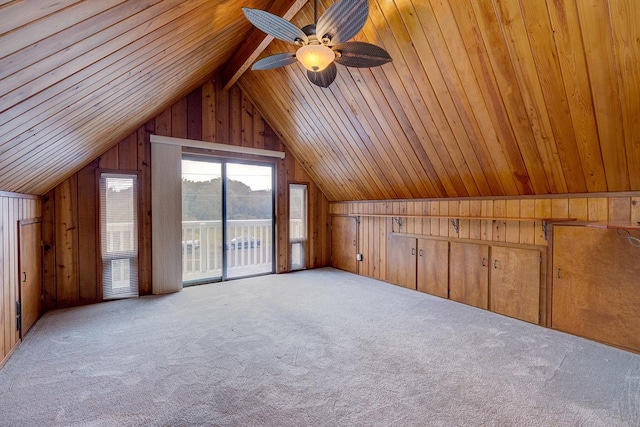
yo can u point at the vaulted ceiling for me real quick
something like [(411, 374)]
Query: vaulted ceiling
[(76, 77), (483, 97)]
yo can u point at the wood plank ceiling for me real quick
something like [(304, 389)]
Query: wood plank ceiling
[(483, 97), (78, 76)]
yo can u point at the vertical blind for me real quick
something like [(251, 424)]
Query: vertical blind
[(119, 235)]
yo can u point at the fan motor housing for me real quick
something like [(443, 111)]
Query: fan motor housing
[(309, 30)]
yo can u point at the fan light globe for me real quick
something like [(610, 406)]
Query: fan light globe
[(315, 57)]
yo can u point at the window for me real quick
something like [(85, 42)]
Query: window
[(227, 219), (119, 235), (202, 247), (249, 206), (297, 226)]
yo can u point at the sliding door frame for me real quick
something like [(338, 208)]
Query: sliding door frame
[(224, 160)]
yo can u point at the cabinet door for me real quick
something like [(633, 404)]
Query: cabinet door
[(596, 286), (468, 274), (401, 261), (343, 243), (433, 267), (30, 274), (515, 283)]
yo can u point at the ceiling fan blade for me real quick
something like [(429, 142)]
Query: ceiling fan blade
[(274, 61), (274, 25), (325, 77), (342, 21), (361, 55)]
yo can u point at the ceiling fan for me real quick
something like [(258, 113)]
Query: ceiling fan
[(323, 43)]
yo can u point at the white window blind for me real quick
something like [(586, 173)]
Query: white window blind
[(297, 226), (119, 235)]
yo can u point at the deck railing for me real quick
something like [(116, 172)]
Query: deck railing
[(249, 244)]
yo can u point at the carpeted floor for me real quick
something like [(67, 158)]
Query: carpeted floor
[(313, 348)]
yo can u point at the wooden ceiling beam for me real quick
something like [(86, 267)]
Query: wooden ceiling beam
[(256, 42)]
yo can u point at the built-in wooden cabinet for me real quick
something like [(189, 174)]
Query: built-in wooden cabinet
[(515, 283), (433, 267), (418, 263), (596, 285), (30, 274), (468, 274), (559, 262), (344, 238), (401, 261), (506, 279), (503, 279), (19, 247)]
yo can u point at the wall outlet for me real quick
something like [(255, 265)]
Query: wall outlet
[(358, 257)]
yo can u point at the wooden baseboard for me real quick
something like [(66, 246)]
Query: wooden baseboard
[(6, 358)]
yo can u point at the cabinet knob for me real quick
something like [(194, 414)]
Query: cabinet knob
[(420, 252), (484, 262), (495, 263), (558, 274), (413, 251)]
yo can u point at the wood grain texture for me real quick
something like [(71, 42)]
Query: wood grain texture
[(88, 240), (375, 231), (344, 243), (513, 77), (66, 232), (433, 267), (401, 261), (599, 54), (113, 54), (625, 26), (13, 208), (144, 214), (255, 42), (30, 276), (469, 274), (515, 283), (596, 294), (550, 95), (493, 98), (567, 35), (211, 110)]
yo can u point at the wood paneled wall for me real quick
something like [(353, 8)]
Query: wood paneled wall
[(374, 231), (207, 114), (13, 208)]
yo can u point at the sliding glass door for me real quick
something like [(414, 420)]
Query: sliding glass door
[(227, 219), (249, 219), (201, 220)]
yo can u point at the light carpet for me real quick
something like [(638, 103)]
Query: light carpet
[(313, 348)]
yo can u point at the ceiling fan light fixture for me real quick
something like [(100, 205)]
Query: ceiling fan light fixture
[(315, 57), (322, 44)]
